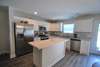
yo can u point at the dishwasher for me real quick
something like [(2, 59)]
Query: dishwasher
[(75, 44)]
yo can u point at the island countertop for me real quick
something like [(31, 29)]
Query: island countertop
[(40, 44)]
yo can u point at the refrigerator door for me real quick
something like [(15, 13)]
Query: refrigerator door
[(23, 34), (28, 33)]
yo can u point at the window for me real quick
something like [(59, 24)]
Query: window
[(98, 39), (68, 28)]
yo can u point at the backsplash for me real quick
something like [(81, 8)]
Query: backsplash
[(61, 34), (83, 35)]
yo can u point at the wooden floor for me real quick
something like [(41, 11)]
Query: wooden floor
[(76, 60), (71, 59), (23, 61)]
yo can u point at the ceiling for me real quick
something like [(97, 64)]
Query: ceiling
[(56, 9)]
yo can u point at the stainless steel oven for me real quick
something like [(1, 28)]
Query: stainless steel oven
[(75, 44)]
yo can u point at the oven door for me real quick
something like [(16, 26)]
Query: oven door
[(75, 45)]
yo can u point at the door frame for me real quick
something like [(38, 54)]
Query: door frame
[(93, 48)]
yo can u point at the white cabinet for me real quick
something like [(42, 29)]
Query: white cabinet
[(44, 24), (83, 25), (54, 26), (47, 56), (67, 46), (39, 23), (85, 46)]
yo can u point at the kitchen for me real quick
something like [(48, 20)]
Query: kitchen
[(54, 31), (82, 30)]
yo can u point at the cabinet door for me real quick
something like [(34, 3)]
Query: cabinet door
[(85, 45), (83, 26), (54, 26)]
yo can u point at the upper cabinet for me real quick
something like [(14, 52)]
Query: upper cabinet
[(54, 26), (44, 24), (36, 23), (40, 23), (83, 25)]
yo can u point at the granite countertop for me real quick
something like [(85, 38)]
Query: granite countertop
[(80, 38), (41, 44), (80, 35)]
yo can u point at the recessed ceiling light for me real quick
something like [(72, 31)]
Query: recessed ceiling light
[(35, 12)]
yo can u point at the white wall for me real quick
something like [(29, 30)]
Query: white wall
[(4, 30)]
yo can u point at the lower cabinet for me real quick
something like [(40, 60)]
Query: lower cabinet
[(67, 46), (85, 46)]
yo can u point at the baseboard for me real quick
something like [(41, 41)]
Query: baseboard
[(12, 55)]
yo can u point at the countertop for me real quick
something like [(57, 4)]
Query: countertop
[(80, 38), (41, 44), (88, 39)]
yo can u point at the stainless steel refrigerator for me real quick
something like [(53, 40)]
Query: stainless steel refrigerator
[(24, 33)]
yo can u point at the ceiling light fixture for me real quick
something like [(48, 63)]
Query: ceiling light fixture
[(35, 12)]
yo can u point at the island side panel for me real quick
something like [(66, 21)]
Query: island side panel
[(37, 57), (67, 46), (53, 54)]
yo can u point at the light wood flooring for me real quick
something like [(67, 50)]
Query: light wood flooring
[(71, 59)]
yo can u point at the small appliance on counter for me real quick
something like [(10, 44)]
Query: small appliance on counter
[(43, 34), (75, 35)]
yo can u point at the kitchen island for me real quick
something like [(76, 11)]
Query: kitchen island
[(48, 52)]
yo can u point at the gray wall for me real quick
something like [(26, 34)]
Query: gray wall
[(4, 30)]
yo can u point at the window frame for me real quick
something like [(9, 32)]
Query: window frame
[(62, 29)]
